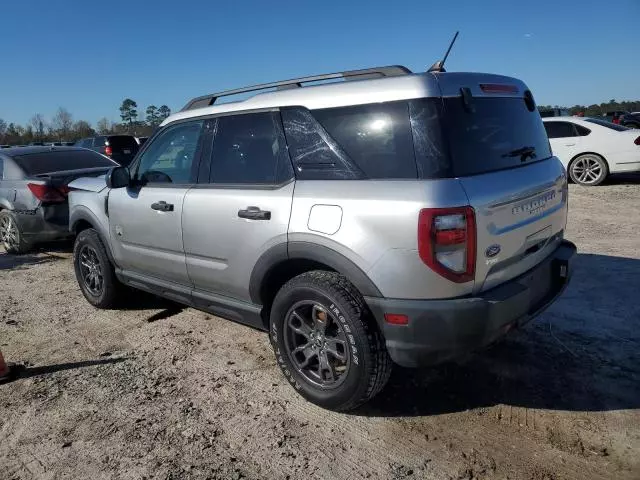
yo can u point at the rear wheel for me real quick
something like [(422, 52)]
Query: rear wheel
[(588, 169), (94, 271), (10, 234), (326, 342)]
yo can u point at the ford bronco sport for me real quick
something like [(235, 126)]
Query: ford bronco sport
[(383, 217)]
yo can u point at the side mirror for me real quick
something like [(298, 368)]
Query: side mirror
[(118, 177)]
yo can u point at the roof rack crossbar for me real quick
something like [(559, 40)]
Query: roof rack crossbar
[(366, 73)]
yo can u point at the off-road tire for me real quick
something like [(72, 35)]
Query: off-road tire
[(20, 245), (111, 292), (370, 364)]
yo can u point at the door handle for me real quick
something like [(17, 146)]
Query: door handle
[(569, 144), (254, 213), (162, 206)]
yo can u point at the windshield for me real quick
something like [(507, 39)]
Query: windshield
[(604, 123), (493, 134), (60, 161)]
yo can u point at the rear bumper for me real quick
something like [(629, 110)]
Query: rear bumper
[(441, 330), (47, 222)]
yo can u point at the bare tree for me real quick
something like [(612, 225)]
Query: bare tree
[(103, 126), (3, 129), (38, 125), (82, 129), (62, 123)]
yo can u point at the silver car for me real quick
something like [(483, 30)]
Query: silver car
[(33, 192), (385, 217)]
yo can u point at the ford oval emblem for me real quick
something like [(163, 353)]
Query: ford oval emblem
[(492, 250)]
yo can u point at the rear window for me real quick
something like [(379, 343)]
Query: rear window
[(59, 161), (492, 134), (118, 142), (604, 123)]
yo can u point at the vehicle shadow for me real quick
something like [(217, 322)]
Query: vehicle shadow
[(632, 178), (42, 253), (583, 354), (21, 372)]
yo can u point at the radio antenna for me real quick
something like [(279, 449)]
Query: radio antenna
[(439, 65)]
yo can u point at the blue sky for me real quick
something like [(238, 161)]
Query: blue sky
[(89, 55)]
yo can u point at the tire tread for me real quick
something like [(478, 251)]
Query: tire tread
[(339, 286)]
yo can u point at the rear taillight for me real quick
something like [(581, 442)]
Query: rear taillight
[(108, 150), (616, 121), (447, 242), (637, 141), (46, 193)]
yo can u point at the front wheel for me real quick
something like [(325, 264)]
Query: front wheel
[(94, 271), (589, 170), (326, 341)]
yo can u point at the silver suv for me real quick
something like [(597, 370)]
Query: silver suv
[(383, 217)]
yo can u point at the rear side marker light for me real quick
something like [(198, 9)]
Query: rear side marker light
[(396, 319), (498, 88)]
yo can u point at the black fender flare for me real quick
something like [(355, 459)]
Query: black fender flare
[(84, 214), (283, 252)]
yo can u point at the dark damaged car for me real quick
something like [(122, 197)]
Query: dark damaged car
[(33, 192)]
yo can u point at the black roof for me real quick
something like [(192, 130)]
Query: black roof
[(15, 151)]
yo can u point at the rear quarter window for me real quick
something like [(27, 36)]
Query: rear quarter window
[(60, 161), (376, 137)]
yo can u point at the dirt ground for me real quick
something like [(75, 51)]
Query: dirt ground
[(157, 391)]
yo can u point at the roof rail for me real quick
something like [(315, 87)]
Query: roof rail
[(364, 74)]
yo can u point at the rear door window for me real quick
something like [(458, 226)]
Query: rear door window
[(490, 133), (250, 149), (560, 129), (60, 161)]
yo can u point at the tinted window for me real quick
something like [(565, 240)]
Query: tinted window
[(84, 143), (315, 155), (487, 134), (582, 131), (58, 161), (170, 157), (377, 137), (122, 142), (604, 123), (249, 149), (426, 126), (559, 129), (99, 141)]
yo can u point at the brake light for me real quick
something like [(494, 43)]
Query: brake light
[(447, 242), (108, 151), (46, 193), (616, 121), (498, 88), (637, 141)]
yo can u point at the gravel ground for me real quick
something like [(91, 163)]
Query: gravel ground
[(158, 391)]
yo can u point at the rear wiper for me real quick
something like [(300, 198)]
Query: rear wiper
[(523, 153)]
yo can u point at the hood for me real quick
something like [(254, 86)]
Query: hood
[(90, 184)]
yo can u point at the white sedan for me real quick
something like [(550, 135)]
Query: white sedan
[(590, 148)]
